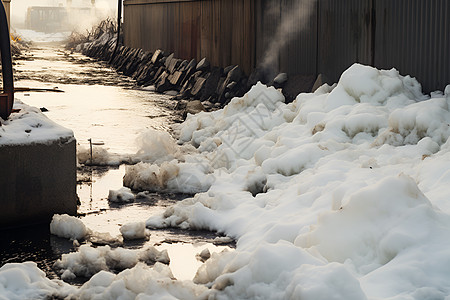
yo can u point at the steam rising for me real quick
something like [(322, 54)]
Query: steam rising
[(293, 22)]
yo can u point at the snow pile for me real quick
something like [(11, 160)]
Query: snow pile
[(122, 195), (88, 261), (134, 230), (68, 227), (29, 126), (331, 196), (27, 281), (156, 146), (100, 156), (341, 194), (170, 176), (141, 282)]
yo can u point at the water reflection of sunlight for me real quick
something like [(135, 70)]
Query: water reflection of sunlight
[(183, 261)]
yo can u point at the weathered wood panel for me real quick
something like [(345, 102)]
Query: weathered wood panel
[(220, 30)]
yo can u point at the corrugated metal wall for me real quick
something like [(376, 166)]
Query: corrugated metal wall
[(414, 37), (323, 36), (298, 30), (221, 30), (345, 35)]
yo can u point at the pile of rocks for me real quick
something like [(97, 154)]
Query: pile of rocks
[(190, 80)]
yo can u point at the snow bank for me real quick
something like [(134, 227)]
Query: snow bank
[(88, 261), (329, 197), (68, 227), (29, 126)]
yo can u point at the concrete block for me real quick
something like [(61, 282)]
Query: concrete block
[(37, 181)]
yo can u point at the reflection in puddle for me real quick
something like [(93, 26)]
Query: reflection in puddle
[(183, 261)]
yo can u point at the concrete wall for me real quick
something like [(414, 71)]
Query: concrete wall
[(37, 181)]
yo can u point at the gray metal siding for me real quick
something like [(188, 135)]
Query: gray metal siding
[(344, 35), (413, 37)]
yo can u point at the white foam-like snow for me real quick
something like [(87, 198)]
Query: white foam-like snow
[(68, 227), (27, 281), (134, 230), (30, 126), (341, 194), (340, 177), (122, 195), (88, 261)]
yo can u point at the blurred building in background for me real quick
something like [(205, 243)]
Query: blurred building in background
[(65, 16)]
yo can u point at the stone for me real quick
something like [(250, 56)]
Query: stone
[(203, 65), (297, 84), (193, 107), (320, 80), (258, 74), (235, 74), (280, 78), (198, 86), (168, 60), (228, 69), (211, 83), (176, 78), (156, 56), (173, 65), (191, 65)]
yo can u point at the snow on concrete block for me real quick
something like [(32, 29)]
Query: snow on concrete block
[(38, 160)]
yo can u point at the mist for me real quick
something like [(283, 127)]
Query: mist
[(104, 8), (295, 21)]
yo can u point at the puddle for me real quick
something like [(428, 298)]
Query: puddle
[(183, 257)]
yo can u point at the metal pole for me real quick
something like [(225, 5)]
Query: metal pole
[(7, 97)]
